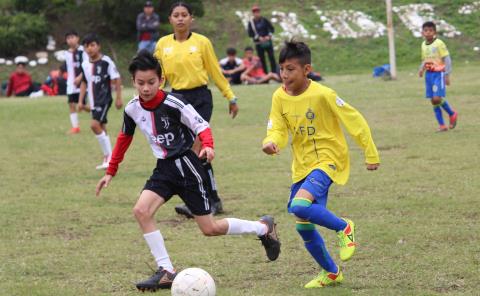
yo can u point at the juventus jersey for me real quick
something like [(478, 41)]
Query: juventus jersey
[(170, 128), (74, 60), (98, 76)]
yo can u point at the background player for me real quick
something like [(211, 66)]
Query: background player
[(437, 64), (312, 114), (170, 124), (74, 57), (99, 72), (188, 59)]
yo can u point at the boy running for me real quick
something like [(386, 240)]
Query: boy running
[(171, 125), (74, 57), (437, 64), (99, 72), (312, 113)]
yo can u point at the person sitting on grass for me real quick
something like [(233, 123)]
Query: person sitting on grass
[(254, 73), (232, 66), (20, 82), (171, 125)]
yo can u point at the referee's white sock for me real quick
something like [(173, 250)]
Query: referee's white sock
[(104, 141), (157, 247), (74, 119), (238, 226)]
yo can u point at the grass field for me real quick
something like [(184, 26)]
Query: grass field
[(417, 216)]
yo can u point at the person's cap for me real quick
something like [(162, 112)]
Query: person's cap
[(148, 4), (255, 7)]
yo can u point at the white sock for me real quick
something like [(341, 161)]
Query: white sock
[(238, 226), (104, 142), (74, 119), (157, 247), (109, 146)]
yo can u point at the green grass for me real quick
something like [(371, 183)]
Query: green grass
[(417, 216)]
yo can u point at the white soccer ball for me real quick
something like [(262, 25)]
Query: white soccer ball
[(193, 282)]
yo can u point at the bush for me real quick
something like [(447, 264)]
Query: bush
[(22, 32)]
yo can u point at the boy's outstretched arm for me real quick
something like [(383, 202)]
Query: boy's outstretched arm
[(277, 132), (358, 128)]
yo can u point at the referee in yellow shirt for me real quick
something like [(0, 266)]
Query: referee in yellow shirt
[(188, 59)]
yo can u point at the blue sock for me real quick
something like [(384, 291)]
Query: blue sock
[(447, 107), (316, 246), (317, 214), (438, 114)]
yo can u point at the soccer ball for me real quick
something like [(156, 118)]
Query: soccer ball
[(193, 282)]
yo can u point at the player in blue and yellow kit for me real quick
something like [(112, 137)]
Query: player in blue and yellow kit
[(437, 65), (312, 113)]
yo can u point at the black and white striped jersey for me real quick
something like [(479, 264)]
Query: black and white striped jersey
[(98, 76), (170, 127), (74, 60)]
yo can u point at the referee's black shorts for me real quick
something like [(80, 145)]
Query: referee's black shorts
[(200, 98), (183, 175)]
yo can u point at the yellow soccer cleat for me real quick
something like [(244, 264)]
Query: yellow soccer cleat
[(325, 278), (346, 240)]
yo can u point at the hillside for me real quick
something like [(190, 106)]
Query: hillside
[(330, 56)]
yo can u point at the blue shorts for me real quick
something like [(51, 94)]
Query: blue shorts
[(317, 183), (434, 84)]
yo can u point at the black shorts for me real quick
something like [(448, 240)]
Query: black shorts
[(73, 98), (200, 98), (183, 175), (99, 113)]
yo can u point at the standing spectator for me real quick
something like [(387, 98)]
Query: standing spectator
[(261, 30), (20, 82), (147, 27), (232, 66)]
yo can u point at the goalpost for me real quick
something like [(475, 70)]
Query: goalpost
[(391, 40)]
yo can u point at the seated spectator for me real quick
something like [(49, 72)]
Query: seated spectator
[(254, 73), (315, 76), (56, 83), (20, 82), (232, 66)]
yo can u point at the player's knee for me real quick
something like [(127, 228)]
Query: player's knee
[(141, 212), (436, 101), (300, 207)]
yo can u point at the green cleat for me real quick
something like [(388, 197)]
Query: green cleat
[(346, 240), (325, 278)]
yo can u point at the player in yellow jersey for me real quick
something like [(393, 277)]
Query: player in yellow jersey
[(312, 114), (188, 60), (437, 64)]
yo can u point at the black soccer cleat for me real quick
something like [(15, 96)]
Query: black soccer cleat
[(184, 210), (161, 279), (270, 240)]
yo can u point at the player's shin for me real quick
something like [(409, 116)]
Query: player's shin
[(316, 246)]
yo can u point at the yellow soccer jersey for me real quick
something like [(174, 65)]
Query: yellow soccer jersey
[(313, 121), (433, 54), (188, 64)]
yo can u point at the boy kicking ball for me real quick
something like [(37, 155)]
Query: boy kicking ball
[(170, 126), (312, 113)]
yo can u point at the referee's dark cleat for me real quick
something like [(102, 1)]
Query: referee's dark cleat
[(270, 240), (161, 279), (183, 210)]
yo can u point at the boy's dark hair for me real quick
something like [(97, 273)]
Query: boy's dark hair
[(429, 24), (248, 48), (90, 38), (180, 4), (231, 51), (71, 33), (144, 61), (295, 50)]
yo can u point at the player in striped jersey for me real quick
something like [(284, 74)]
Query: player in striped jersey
[(170, 125), (99, 72)]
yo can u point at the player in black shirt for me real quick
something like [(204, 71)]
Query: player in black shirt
[(170, 125), (98, 74)]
